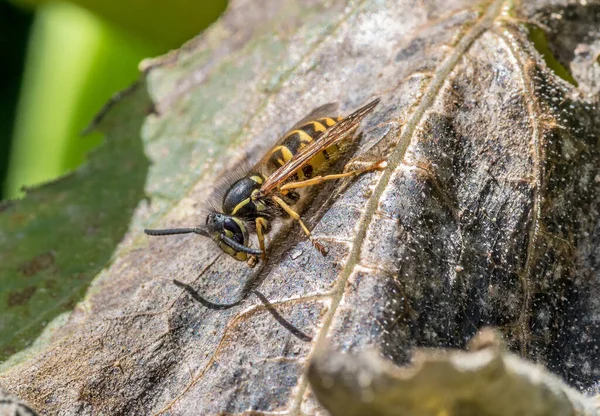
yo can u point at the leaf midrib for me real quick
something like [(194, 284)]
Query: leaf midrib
[(437, 81)]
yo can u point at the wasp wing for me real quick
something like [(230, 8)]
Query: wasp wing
[(329, 137), (325, 110)]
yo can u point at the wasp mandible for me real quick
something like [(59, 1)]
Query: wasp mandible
[(300, 159)]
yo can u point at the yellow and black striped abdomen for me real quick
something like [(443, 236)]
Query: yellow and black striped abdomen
[(296, 139)]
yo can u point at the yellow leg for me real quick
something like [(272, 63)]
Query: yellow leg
[(296, 217), (261, 225), (252, 261), (320, 179)]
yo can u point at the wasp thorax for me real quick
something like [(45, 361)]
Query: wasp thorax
[(238, 198)]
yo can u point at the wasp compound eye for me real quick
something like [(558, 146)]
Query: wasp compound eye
[(231, 225)]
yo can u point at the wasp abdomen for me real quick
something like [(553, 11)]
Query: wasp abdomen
[(299, 138)]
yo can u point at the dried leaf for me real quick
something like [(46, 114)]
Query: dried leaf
[(10, 405), (487, 213), (486, 381)]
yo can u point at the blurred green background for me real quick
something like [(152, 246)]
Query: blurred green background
[(61, 61)]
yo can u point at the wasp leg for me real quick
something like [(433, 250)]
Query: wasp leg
[(252, 261), (296, 217), (320, 179), (261, 226)]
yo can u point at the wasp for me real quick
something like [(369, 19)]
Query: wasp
[(301, 158)]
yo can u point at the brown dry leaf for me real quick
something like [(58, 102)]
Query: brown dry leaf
[(487, 213), (483, 381)]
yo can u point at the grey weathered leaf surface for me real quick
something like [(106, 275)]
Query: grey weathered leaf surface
[(486, 215), (10, 405)]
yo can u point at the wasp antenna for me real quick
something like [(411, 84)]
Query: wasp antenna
[(240, 247), (172, 231)]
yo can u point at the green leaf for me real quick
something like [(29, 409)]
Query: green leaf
[(55, 240), (164, 23), (75, 62)]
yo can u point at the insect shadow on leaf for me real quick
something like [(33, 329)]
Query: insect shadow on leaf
[(268, 307)]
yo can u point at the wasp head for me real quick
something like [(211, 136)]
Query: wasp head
[(229, 232)]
